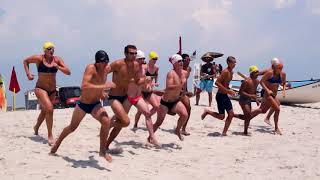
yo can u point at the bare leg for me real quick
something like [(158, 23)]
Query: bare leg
[(214, 114), (198, 96), (77, 117), (143, 107), (183, 115), (160, 118), (46, 105), (267, 119), (210, 98), (246, 108), (122, 119), (154, 101), (186, 103), (40, 119), (228, 122), (136, 119), (101, 115)]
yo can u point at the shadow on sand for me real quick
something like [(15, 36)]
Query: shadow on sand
[(91, 162), (264, 129), (215, 134), (300, 106), (137, 145), (39, 139)]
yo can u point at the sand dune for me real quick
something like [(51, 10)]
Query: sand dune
[(203, 155)]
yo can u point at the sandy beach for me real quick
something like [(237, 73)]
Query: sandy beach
[(203, 155)]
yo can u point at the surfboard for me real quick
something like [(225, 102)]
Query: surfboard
[(3, 100)]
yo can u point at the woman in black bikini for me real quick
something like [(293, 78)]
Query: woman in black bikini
[(270, 82), (152, 70), (45, 89)]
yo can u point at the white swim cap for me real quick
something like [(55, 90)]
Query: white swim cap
[(275, 61), (140, 54), (175, 58)]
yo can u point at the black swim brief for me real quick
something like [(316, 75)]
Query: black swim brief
[(87, 107), (169, 105), (121, 99)]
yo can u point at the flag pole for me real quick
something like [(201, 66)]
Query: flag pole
[(180, 45), (14, 100)]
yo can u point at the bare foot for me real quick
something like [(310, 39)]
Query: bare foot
[(224, 134), (184, 132), (51, 141), (267, 121), (277, 131), (204, 114), (35, 130), (177, 132), (106, 156), (154, 142)]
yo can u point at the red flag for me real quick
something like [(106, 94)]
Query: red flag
[(14, 82)]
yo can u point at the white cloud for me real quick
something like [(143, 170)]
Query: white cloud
[(314, 6), (284, 3)]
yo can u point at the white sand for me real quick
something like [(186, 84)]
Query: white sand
[(203, 155)]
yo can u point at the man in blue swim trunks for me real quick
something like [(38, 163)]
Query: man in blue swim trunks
[(94, 88), (207, 74), (222, 98)]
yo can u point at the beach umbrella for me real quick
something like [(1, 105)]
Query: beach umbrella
[(211, 55)]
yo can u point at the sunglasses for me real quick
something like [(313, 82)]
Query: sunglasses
[(154, 59), (50, 48), (132, 53)]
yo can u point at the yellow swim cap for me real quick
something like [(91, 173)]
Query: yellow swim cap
[(253, 69), (153, 55), (47, 45)]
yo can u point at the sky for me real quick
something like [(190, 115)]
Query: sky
[(252, 31)]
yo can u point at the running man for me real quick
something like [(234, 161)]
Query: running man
[(248, 92), (222, 98), (45, 90), (94, 87), (124, 71), (170, 101)]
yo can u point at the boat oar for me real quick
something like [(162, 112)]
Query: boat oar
[(242, 75)]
